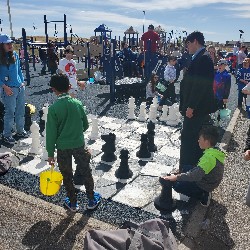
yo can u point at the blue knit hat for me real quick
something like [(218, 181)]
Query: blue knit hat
[(5, 39)]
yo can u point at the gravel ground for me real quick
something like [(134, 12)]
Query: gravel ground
[(228, 215)]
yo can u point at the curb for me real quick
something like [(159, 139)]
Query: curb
[(197, 217)]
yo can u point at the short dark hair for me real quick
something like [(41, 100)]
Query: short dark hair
[(60, 82), (172, 58), (196, 35), (210, 133)]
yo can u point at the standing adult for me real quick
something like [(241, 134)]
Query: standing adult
[(126, 55), (196, 98), (212, 52), (154, 39), (241, 57), (13, 97), (52, 58)]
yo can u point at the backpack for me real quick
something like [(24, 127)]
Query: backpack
[(5, 163), (153, 234)]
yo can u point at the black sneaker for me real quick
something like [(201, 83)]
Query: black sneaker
[(9, 139), (22, 135), (206, 199)]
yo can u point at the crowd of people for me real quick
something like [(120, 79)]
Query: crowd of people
[(204, 89)]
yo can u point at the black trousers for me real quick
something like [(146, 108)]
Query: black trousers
[(190, 151)]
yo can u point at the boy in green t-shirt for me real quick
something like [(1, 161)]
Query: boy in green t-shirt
[(66, 122), (199, 181)]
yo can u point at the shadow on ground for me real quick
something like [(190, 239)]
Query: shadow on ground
[(216, 233), (42, 236)]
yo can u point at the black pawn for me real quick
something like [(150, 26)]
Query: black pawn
[(123, 172), (151, 134), (165, 202), (143, 151), (109, 148)]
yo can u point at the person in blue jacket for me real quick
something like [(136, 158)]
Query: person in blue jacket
[(13, 90), (243, 77), (222, 85)]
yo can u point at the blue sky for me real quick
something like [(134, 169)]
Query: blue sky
[(218, 20)]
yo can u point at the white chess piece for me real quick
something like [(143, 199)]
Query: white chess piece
[(131, 108), (44, 117), (174, 115), (164, 116), (142, 116), (45, 110), (152, 113), (155, 101), (35, 135), (94, 133)]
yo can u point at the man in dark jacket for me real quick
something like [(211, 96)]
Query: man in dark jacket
[(196, 98)]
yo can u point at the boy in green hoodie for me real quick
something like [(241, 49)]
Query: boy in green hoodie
[(198, 182), (66, 122)]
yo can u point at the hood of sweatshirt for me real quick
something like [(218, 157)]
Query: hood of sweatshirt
[(208, 160)]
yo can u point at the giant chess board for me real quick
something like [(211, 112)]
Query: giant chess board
[(138, 191)]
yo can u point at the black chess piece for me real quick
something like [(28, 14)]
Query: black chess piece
[(165, 202), (151, 134), (108, 148), (143, 151), (123, 172)]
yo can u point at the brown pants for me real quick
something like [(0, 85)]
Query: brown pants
[(82, 159)]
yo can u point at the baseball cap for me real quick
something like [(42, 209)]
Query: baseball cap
[(151, 26), (222, 61), (5, 39)]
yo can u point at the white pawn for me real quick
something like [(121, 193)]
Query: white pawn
[(45, 110), (155, 101), (131, 108), (164, 115), (142, 116), (174, 115), (35, 135), (94, 133), (152, 113), (44, 117)]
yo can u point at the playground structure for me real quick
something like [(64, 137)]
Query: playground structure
[(101, 51)]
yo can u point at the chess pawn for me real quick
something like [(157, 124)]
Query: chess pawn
[(151, 134), (94, 133), (152, 113), (123, 172), (35, 135), (142, 116), (45, 110), (155, 101), (165, 201), (131, 108), (143, 151), (174, 115), (164, 115)]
